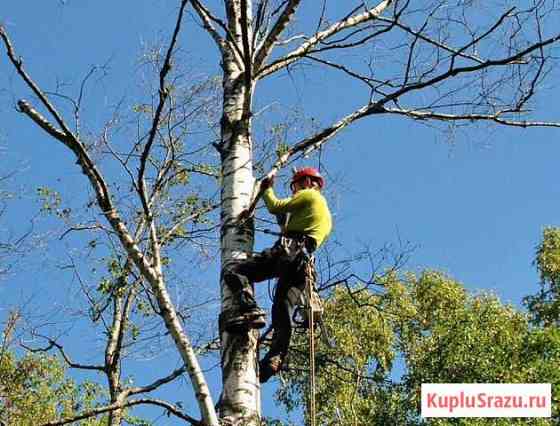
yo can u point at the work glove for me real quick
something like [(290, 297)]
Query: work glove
[(267, 182), (244, 215)]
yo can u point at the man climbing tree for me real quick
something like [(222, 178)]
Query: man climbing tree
[(449, 63), (307, 226)]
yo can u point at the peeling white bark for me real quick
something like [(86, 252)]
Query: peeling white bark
[(240, 401), (241, 389)]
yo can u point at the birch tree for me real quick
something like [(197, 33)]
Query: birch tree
[(450, 63)]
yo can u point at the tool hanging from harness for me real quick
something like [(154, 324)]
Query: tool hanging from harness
[(306, 300)]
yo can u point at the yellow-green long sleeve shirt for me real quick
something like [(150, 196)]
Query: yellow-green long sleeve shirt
[(308, 210)]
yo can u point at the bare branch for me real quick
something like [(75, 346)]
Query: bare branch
[(42, 122), (163, 95), (273, 36), (193, 216), (152, 274), (290, 40), (117, 156), (88, 167), (314, 142), (306, 47), (156, 384), (367, 80), (103, 196), (482, 36), (18, 64), (97, 226), (429, 40), (454, 72), (60, 348), (207, 19), (170, 408), (497, 118)]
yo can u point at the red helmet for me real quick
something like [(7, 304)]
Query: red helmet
[(309, 172)]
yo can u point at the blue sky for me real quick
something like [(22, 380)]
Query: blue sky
[(474, 207)]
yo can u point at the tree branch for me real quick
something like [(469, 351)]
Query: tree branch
[(172, 409), (156, 384), (314, 142), (475, 40), (304, 48), (429, 40), (207, 19), (153, 275), (42, 122), (454, 72), (18, 64), (193, 216), (71, 364), (497, 118), (310, 144), (163, 95), (263, 52), (88, 167)]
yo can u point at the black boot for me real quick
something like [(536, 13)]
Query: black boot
[(269, 367), (247, 316)]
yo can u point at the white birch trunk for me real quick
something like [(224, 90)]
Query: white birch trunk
[(186, 350), (240, 401)]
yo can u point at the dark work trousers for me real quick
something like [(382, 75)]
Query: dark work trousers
[(285, 261)]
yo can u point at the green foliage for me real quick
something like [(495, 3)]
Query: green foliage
[(281, 149), (441, 333), (34, 390), (460, 338), (548, 256), (136, 421), (51, 202), (50, 199), (351, 372), (545, 305), (116, 282)]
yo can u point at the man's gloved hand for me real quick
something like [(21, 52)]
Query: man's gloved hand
[(267, 182), (244, 215)]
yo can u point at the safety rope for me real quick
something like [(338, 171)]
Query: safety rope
[(311, 301), (313, 305)]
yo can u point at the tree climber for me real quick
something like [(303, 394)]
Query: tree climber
[(308, 225)]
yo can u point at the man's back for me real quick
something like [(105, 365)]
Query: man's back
[(308, 210)]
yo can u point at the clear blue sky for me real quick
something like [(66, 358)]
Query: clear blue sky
[(475, 208)]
